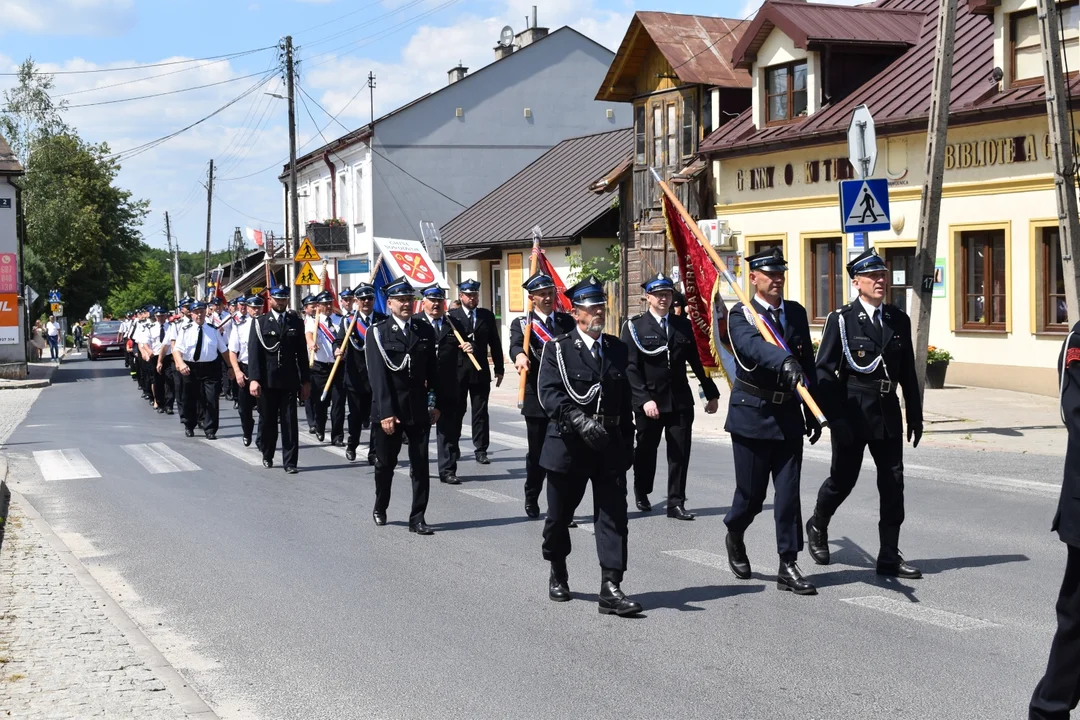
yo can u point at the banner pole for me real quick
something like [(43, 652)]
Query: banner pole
[(527, 331), (739, 293)]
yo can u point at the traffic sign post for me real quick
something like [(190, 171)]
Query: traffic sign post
[(54, 296), (307, 276), (306, 253), (862, 142), (864, 205)]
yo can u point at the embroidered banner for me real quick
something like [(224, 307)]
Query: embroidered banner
[(698, 279)]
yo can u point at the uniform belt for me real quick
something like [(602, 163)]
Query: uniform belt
[(777, 397), (321, 363), (608, 421), (878, 385)]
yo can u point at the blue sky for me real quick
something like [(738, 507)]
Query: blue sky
[(409, 44)]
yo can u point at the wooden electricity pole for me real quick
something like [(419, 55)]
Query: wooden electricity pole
[(173, 259), (933, 176), (294, 198), (1058, 111), (209, 207)]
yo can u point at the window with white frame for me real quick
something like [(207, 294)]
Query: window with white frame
[(344, 198), (1026, 46), (358, 208)]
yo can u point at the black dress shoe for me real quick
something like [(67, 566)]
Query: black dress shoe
[(247, 441), (532, 509), (817, 540), (320, 435), (189, 432), (421, 528), (558, 587), (449, 479), (168, 411), (338, 443), (482, 458), (736, 556), (379, 517), (899, 569), (161, 411), (350, 454), (311, 430), (291, 470), (268, 463), (371, 459), (613, 602), (789, 577), (679, 513), (210, 435), (643, 503)]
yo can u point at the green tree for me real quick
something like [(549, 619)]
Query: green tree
[(29, 111), (151, 284), (604, 269)]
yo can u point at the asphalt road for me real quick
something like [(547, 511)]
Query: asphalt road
[(277, 597)]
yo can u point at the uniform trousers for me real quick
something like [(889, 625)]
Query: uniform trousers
[(535, 430), (676, 427), (246, 405), (564, 494), (202, 384), (888, 454), (179, 383), (164, 383), (448, 440), (334, 402), (277, 408), (309, 408), (1059, 690), (755, 461), (387, 448), (358, 398), (478, 396)]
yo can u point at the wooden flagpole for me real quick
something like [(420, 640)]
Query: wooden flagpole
[(527, 332), (338, 359), (739, 292)]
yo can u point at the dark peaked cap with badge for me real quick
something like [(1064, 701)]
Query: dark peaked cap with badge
[(469, 286), (660, 283), (434, 293), (537, 282), (587, 292), (280, 292), (867, 262), (399, 288), (770, 260), (363, 290)]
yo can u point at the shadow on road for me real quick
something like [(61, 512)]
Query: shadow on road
[(86, 371)]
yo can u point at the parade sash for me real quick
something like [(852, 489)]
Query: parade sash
[(361, 327), (326, 333), (540, 332)]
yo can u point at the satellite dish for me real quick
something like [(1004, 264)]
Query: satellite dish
[(506, 37)]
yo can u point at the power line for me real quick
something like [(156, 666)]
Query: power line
[(140, 67), (250, 217), (168, 92), (372, 21), (333, 118), (340, 17)]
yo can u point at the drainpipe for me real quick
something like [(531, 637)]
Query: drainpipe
[(333, 184)]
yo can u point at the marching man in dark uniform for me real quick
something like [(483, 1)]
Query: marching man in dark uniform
[(583, 387), (1058, 692), (765, 419), (865, 353), (324, 334), (403, 371), (239, 337), (309, 402), (474, 386), (546, 324), (278, 372), (161, 367), (661, 344), (448, 352), (197, 353), (357, 384)]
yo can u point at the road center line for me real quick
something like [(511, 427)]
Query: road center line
[(69, 464), (920, 613)]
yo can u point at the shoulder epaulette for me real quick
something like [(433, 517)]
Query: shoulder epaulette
[(638, 316)]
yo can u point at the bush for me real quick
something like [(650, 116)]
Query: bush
[(936, 355)]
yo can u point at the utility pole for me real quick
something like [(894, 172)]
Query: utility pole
[(209, 207), (294, 201), (1058, 112), (173, 259), (934, 173), (371, 94)]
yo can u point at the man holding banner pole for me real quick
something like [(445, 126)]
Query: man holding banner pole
[(474, 385), (354, 347), (320, 331)]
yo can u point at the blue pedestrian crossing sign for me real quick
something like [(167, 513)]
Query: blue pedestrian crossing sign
[(864, 205), (54, 296)]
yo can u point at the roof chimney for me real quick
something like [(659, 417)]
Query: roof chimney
[(531, 33), (502, 51), (457, 73)]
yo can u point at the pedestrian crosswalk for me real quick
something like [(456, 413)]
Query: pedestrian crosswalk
[(159, 458), (67, 464)]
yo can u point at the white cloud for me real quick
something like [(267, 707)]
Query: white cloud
[(68, 17)]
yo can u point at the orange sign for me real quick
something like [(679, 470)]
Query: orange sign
[(414, 266), (9, 319)]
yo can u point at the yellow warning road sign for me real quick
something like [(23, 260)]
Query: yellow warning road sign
[(307, 276), (307, 253)]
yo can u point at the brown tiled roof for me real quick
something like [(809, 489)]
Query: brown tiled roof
[(697, 48), (9, 164), (807, 23), (553, 192), (899, 96)]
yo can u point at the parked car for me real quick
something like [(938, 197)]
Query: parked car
[(105, 341)]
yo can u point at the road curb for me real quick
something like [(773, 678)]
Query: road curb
[(186, 696)]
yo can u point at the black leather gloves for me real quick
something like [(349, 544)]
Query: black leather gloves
[(791, 374), (588, 429), (813, 431), (914, 430)]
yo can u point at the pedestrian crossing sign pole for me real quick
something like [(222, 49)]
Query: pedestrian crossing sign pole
[(864, 205)]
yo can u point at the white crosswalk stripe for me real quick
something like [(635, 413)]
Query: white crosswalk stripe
[(159, 458), (67, 464), (489, 495), (516, 442), (700, 557), (234, 447), (312, 441), (920, 613)]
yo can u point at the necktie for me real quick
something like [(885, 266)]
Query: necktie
[(472, 320), (663, 324), (775, 313), (198, 346), (596, 351), (162, 336), (877, 319), (549, 325)]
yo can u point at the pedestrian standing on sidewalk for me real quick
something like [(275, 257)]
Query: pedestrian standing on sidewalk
[(77, 335), (52, 333), (864, 356), (38, 340), (1058, 692)]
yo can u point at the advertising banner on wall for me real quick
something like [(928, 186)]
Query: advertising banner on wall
[(9, 319)]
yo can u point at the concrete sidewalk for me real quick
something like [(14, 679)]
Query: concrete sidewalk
[(969, 418), (39, 374)]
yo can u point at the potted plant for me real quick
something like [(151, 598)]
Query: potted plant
[(937, 363)]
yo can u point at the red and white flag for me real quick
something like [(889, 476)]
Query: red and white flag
[(256, 236), (562, 303)]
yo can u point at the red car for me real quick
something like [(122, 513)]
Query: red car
[(105, 341)]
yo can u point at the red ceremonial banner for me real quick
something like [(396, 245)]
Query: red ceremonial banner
[(698, 279)]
